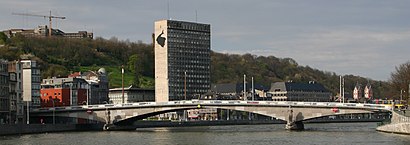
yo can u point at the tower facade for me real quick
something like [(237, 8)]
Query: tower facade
[(31, 82), (182, 59)]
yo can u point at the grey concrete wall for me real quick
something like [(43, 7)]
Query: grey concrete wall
[(399, 124), (17, 129)]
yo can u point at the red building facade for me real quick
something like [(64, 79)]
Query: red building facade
[(63, 92)]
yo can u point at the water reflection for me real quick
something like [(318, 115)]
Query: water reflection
[(331, 133)]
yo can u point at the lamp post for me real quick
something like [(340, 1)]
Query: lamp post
[(122, 80), (343, 89), (54, 111), (87, 88), (28, 112), (185, 112), (401, 95), (185, 86), (253, 91), (244, 88), (71, 93)]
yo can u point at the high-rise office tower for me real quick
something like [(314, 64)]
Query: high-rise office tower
[(182, 59)]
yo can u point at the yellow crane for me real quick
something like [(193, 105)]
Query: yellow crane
[(44, 16)]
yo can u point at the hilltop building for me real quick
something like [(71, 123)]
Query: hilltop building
[(42, 31), (182, 59), (291, 91)]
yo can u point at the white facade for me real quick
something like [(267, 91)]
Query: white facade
[(182, 59), (357, 92), (31, 82), (131, 95), (368, 92)]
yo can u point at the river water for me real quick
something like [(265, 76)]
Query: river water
[(319, 134)]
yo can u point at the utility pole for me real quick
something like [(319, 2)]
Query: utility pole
[(122, 82)]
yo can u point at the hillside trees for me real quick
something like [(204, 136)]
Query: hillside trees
[(3, 38), (60, 56)]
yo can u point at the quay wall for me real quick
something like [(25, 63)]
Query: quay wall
[(17, 129), (399, 124)]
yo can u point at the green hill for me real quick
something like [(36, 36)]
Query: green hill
[(62, 56)]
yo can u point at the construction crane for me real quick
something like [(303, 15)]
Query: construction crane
[(50, 17)]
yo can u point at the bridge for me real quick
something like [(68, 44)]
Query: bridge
[(291, 112)]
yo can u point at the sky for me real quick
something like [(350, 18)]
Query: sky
[(368, 38)]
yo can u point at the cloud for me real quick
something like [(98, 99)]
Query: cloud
[(346, 51), (367, 37)]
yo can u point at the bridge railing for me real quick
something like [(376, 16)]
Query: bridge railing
[(221, 102)]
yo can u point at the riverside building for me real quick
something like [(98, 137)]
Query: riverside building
[(4, 92), (182, 59), (305, 92), (31, 82)]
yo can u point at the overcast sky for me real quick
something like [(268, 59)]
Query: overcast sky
[(360, 37)]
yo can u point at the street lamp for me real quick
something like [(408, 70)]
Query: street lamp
[(185, 86), (401, 95), (122, 83), (54, 111), (185, 111), (88, 87), (71, 93), (244, 87)]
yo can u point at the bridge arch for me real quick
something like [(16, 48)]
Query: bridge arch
[(278, 112)]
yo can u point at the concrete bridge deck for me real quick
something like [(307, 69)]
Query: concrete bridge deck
[(292, 112)]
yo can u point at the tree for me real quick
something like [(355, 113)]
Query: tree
[(134, 65), (400, 80), (3, 38)]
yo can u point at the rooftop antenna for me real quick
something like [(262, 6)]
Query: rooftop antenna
[(168, 10), (196, 16)]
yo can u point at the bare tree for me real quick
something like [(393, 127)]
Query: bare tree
[(400, 80)]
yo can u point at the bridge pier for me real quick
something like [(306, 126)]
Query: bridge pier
[(298, 125), (292, 123), (106, 127)]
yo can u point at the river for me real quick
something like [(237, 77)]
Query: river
[(319, 134)]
